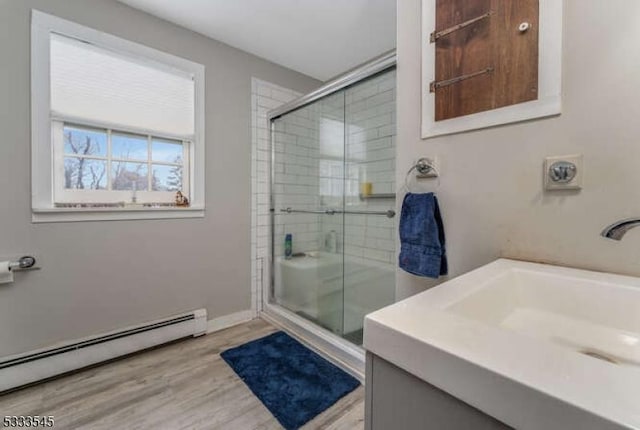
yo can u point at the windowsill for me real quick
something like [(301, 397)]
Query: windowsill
[(51, 214)]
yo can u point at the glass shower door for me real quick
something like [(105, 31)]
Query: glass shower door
[(333, 183), (369, 235), (307, 198)]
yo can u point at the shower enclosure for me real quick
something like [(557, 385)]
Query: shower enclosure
[(333, 202)]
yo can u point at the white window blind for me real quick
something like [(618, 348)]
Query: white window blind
[(93, 84)]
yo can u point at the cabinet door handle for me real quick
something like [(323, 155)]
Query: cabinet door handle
[(438, 34), (435, 85)]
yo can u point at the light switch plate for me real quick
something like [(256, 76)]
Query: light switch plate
[(575, 183)]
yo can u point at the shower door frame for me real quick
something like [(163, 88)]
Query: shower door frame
[(344, 353)]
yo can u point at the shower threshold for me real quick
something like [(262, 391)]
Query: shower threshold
[(354, 337), (343, 352)]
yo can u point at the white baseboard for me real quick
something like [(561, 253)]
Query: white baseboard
[(60, 358), (230, 320)]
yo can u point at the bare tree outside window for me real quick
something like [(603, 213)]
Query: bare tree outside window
[(174, 182), (99, 159), (80, 170), (129, 176), (167, 177)]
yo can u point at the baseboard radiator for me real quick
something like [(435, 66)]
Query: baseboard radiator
[(23, 369)]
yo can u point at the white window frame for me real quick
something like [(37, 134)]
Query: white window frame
[(45, 128)]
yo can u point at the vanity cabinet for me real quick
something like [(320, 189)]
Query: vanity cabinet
[(395, 399)]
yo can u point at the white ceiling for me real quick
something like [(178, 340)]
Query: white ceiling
[(320, 38)]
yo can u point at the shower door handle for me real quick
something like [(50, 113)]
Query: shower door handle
[(389, 214), (302, 211)]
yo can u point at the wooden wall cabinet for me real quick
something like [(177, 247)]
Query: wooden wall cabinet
[(489, 62)]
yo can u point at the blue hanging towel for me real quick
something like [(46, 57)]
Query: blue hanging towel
[(422, 250)]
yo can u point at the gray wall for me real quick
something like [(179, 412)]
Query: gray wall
[(491, 185), (99, 276)]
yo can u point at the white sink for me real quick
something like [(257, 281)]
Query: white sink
[(591, 316), (536, 346)]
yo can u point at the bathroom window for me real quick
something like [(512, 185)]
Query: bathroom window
[(118, 128), (112, 167)]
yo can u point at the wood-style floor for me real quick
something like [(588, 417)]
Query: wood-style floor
[(184, 385)]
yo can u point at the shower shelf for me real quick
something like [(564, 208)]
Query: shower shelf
[(377, 196)]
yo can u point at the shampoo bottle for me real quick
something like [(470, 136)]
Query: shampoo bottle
[(288, 246)]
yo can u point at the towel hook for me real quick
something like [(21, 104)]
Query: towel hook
[(425, 168), (24, 263)]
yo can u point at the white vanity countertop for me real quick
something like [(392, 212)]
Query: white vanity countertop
[(477, 337)]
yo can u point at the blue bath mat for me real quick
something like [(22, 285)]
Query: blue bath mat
[(293, 382)]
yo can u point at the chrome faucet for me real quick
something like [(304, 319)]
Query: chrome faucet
[(618, 229)]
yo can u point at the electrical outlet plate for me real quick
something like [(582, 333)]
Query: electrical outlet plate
[(575, 183)]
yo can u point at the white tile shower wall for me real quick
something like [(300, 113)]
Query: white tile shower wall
[(370, 157), (296, 180), (264, 97), (305, 141), (309, 147)]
